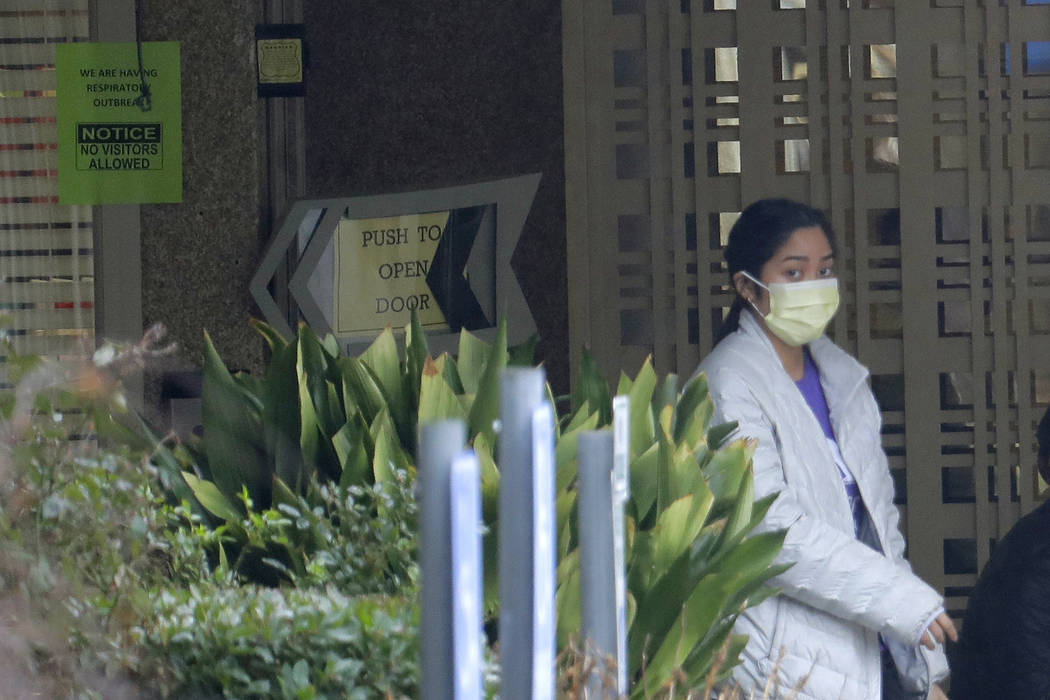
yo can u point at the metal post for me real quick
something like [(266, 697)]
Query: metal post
[(621, 491), (467, 594), (597, 563), (544, 556), (439, 443), (522, 392)]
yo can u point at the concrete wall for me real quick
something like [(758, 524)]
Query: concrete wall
[(400, 96), (199, 256)]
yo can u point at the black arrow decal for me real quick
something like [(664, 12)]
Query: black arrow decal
[(451, 289)]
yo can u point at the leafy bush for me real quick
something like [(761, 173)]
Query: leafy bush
[(691, 565), (360, 539), (255, 642), (92, 539), (153, 547)]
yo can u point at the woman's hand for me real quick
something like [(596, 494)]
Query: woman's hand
[(940, 629), (936, 693)]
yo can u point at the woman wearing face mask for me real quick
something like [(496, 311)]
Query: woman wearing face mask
[(852, 620)]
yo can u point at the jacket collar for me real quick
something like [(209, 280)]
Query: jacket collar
[(840, 374)]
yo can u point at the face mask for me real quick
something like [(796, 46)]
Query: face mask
[(800, 311)]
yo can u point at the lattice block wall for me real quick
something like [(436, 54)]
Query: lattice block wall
[(921, 128)]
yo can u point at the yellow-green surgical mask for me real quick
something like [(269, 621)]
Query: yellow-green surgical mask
[(800, 311)]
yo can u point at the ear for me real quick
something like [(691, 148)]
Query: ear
[(744, 287)]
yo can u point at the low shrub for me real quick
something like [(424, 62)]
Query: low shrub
[(122, 590), (359, 538), (218, 569), (211, 640)]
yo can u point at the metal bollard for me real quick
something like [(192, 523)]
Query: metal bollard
[(439, 443), (523, 391), (597, 563)]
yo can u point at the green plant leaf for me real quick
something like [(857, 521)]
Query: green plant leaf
[(282, 422), (416, 354), (252, 385), (665, 395), (759, 510), (568, 600), (362, 389), (565, 509), (705, 654), (318, 455), (233, 436), (330, 345), (686, 477), (485, 411), (274, 339), (624, 384), (283, 494), (693, 412), (664, 462), (644, 480), (209, 496), (437, 401), (166, 459), (582, 415), (490, 479), (675, 530), (749, 564), (566, 451), (315, 369), (389, 456), (717, 434), (450, 372), (353, 445), (740, 516), (592, 390), (726, 469), (703, 608), (523, 354), (643, 429), (473, 352), (383, 359)]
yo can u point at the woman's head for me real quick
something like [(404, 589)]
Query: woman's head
[(763, 228), (775, 241)]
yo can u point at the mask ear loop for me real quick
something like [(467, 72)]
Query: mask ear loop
[(748, 299)]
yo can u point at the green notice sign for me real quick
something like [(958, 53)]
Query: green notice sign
[(119, 123)]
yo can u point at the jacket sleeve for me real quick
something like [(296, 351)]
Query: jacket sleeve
[(1021, 637), (832, 570), (883, 508)]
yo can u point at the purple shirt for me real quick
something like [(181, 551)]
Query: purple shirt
[(813, 392)]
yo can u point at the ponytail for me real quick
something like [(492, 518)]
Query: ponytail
[(731, 321)]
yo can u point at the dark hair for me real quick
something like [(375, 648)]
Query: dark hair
[(762, 229)]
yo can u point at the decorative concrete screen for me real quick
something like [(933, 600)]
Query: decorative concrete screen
[(922, 128)]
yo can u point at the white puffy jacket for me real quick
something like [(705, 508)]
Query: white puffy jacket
[(840, 593)]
